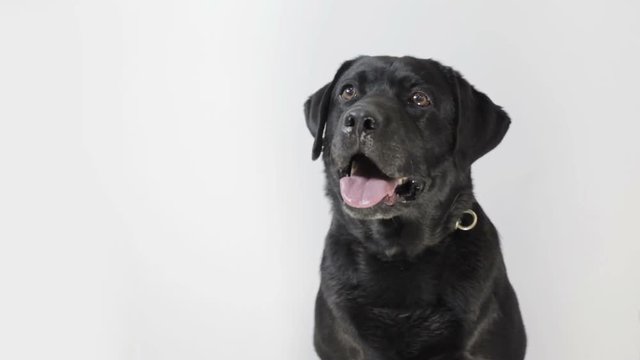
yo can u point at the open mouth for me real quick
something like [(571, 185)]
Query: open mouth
[(364, 185)]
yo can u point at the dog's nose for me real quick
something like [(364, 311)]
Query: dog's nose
[(360, 120)]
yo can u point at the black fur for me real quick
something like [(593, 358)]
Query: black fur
[(400, 282)]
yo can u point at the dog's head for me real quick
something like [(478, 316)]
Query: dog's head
[(398, 133)]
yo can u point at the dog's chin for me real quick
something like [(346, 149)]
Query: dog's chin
[(378, 212)]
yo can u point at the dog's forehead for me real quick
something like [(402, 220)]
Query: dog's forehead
[(377, 68)]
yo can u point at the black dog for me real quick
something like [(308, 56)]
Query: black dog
[(412, 267)]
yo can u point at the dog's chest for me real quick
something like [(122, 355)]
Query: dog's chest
[(398, 284), (406, 333), (399, 306)]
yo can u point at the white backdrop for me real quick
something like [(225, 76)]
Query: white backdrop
[(158, 201)]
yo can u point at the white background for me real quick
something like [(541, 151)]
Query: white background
[(158, 201)]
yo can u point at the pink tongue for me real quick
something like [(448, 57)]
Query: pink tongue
[(362, 192)]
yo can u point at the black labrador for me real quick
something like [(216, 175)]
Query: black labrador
[(412, 267)]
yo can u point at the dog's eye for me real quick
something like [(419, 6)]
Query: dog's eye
[(421, 99), (348, 92)]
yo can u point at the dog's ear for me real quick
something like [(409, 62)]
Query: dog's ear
[(313, 108), (481, 124), (316, 110)]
